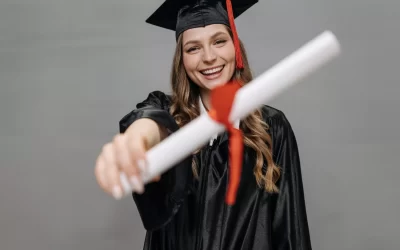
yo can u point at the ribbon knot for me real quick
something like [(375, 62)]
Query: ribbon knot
[(222, 98)]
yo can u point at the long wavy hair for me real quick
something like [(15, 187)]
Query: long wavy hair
[(185, 108)]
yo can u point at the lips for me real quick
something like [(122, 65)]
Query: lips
[(212, 71)]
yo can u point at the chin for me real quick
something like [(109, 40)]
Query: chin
[(215, 84)]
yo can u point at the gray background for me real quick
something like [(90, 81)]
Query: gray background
[(69, 70)]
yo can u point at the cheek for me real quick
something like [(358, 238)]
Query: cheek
[(228, 53), (190, 63), (231, 59)]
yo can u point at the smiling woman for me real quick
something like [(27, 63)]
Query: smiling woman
[(184, 208)]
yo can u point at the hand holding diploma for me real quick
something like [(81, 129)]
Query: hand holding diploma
[(121, 161)]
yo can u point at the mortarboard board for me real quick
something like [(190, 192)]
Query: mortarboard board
[(181, 15)]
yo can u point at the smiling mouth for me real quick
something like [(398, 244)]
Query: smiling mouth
[(212, 71)]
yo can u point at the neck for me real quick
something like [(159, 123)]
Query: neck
[(205, 98)]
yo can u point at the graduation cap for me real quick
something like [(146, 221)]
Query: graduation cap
[(181, 15)]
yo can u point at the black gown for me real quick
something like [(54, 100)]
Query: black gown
[(188, 213)]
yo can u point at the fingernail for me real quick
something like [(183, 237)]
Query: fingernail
[(141, 165), (125, 183), (137, 184), (117, 193)]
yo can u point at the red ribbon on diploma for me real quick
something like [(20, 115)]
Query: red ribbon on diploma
[(222, 98)]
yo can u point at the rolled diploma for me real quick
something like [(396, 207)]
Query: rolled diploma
[(262, 89)]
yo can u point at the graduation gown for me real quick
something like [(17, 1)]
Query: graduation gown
[(188, 213)]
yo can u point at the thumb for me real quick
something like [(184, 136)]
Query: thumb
[(156, 179)]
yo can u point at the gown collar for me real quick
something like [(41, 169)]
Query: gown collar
[(204, 110)]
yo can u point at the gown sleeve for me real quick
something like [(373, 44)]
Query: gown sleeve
[(161, 200), (290, 229)]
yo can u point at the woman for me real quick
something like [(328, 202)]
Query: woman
[(185, 208)]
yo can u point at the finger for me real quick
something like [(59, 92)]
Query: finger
[(114, 183), (126, 186), (122, 159), (136, 151), (108, 154), (100, 173), (136, 147), (156, 179), (129, 172), (112, 173)]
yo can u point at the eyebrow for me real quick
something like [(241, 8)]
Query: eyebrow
[(212, 37)]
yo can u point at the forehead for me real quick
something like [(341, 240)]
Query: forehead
[(203, 33)]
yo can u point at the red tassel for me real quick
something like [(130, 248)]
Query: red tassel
[(239, 60)]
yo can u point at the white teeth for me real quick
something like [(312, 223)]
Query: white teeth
[(212, 71)]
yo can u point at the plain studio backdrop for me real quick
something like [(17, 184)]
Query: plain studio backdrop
[(69, 71)]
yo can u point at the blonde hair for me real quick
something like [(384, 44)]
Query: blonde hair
[(185, 107)]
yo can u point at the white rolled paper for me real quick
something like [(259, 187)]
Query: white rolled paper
[(261, 90)]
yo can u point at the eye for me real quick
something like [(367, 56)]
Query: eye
[(192, 49), (220, 41)]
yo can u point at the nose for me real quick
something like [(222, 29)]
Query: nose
[(209, 55)]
